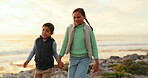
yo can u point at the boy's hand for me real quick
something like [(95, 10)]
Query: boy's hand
[(25, 64)]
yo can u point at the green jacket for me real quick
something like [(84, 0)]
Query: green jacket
[(78, 47)]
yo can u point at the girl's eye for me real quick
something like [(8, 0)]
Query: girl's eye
[(77, 17)]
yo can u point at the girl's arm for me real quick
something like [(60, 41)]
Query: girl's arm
[(93, 45), (96, 66), (63, 49), (64, 45), (94, 51)]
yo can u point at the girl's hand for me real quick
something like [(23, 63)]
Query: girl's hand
[(25, 63), (96, 66)]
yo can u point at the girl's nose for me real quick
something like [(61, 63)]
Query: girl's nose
[(43, 32)]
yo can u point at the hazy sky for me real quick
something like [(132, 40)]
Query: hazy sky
[(106, 16)]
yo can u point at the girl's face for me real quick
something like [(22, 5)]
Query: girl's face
[(46, 33), (78, 18)]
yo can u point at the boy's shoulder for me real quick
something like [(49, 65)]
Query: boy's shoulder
[(37, 39), (52, 39)]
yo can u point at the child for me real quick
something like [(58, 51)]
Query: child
[(44, 49), (80, 42)]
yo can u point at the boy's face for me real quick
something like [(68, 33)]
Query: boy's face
[(78, 18), (46, 33)]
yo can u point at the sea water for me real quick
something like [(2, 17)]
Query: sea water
[(14, 50)]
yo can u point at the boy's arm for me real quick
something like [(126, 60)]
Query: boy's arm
[(32, 53), (55, 54)]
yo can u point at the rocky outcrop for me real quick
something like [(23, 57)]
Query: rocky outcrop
[(104, 66), (133, 57), (9, 75), (26, 74)]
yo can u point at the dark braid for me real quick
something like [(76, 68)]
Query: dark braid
[(89, 24), (81, 10)]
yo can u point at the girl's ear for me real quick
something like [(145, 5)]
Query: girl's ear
[(85, 17)]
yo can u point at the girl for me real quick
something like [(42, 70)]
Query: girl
[(80, 42)]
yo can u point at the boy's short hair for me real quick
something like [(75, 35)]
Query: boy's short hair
[(50, 26)]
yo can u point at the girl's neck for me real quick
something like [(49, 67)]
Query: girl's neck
[(79, 24)]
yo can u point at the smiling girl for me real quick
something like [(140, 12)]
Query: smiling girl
[(80, 42)]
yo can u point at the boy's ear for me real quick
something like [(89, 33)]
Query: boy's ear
[(52, 33)]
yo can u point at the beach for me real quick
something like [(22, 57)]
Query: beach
[(15, 49)]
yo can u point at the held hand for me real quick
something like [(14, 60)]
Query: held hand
[(25, 64), (60, 63)]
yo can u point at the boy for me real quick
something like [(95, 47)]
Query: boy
[(44, 49)]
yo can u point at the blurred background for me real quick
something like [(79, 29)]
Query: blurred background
[(120, 27)]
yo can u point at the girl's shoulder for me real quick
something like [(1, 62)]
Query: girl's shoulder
[(70, 26)]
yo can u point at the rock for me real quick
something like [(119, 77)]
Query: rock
[(140, 76), (60, 74), (142, 57), (131, 76), (114, 57), (9, 76), (26, 74), (133, 57), (145, 59)]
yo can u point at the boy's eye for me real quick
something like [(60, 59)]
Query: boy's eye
[(47, 31)]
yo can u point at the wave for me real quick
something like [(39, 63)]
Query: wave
[(3, 53), (125, 50), (123, 44)]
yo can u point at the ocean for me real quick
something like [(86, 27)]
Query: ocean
[(15, 49)]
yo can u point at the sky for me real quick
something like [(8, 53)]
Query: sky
[(107, 17)]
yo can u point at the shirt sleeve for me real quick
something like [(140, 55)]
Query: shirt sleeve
[(93, 45), (32, 53), (64, 45), (55, 54)]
